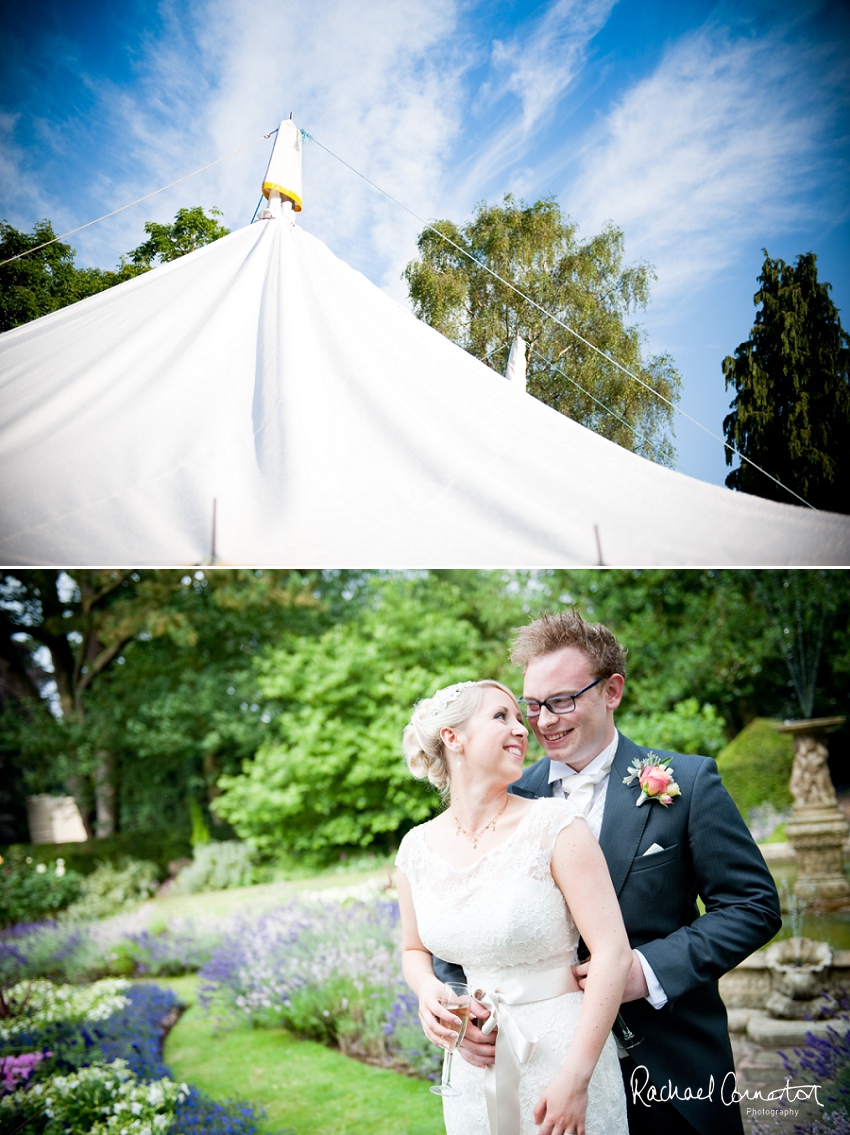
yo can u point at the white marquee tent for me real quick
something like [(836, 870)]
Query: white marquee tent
[(263, 382)]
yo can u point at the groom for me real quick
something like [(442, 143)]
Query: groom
[(661, 857)]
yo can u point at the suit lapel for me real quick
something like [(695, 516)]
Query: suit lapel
[(534, 782), (622, 821)]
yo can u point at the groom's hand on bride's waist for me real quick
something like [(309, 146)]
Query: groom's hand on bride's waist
[(636, 986), (476, 1048)]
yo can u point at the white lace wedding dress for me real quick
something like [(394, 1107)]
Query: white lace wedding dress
[(504, 919)]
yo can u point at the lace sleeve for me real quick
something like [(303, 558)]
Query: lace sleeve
[(405, 859), (551, 817)]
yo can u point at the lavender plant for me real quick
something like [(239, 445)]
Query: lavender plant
[(329, 972), (827, 1060)]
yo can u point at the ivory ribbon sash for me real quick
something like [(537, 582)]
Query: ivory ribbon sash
[(514, 1045)]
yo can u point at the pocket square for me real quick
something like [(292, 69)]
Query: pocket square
[(653, 849)]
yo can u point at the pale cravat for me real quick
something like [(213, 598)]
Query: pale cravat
[(580, 786)]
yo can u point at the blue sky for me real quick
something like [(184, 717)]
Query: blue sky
[(705, 131)]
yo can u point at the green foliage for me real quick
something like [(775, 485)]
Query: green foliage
[(332, 775), (200, 831), (154, 678), (686, 728), (791, 411), (756, 767), (190, 229), (711, 635), (216, 867), (182, 677), (157, 847), (46, 280), (110, 888), (31, 890), (585, 284)]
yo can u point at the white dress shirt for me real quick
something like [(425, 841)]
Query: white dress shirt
[(560, 773)]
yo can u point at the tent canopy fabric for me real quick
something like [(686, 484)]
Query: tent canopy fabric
[(331, 428)]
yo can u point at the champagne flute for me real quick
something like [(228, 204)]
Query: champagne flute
[(456, 998)]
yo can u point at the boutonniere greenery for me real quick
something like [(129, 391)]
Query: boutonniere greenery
[(655, 780)]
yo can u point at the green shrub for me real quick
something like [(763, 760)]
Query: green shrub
[(756, 767), (30, 891), (686, 728), (158, 847), (216, 867), (111, 888)]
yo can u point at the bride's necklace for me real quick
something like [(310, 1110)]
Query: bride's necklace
[(475, 837)]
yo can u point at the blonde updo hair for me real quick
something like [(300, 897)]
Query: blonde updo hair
[(450, 707)]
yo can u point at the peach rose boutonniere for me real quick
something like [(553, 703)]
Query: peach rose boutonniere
[(655, 780)]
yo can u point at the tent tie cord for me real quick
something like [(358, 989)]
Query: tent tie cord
[(147, 196), (560, 323)]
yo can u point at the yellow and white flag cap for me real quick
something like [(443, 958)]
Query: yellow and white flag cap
[(284, 172)]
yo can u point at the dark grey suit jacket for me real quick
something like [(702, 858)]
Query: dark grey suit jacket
[(709, 852)]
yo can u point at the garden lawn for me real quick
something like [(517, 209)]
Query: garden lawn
[(266, 896), (305, 1088)]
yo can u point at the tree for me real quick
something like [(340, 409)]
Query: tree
[(47, 279), (190, 229), (330, 775), (791, 411), (584, 284), (135, 691), (722, 637)]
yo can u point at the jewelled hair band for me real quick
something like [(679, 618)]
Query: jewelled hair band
[(442, 699)]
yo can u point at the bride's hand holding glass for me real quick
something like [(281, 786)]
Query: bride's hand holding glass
[(476, 1048), (454, 1004), (439, 1023)]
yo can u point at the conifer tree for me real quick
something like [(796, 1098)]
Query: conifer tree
[(791, 411)]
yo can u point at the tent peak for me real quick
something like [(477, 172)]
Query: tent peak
[(283, 176)]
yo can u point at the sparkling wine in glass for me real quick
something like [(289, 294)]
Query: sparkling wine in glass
[(456, 998)]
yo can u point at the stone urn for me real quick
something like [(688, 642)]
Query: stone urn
[(817, 829), (799, 976)]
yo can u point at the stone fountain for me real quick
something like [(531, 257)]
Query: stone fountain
[(800, 980), (817, 829), (786, 992)]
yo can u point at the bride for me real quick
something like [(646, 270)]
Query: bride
[(504, 886)]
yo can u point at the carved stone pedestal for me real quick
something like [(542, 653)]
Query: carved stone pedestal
[(817, 829)]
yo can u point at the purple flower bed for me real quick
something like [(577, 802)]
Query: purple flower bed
[(330, 972), (133, 1034), (122, 946), (326, 969), (827, 1061)]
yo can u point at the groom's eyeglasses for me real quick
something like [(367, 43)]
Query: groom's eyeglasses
[(561, 703)]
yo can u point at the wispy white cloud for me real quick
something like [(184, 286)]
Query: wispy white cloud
[(378, 87), (535, 68), (541, 61), (721, 145)]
